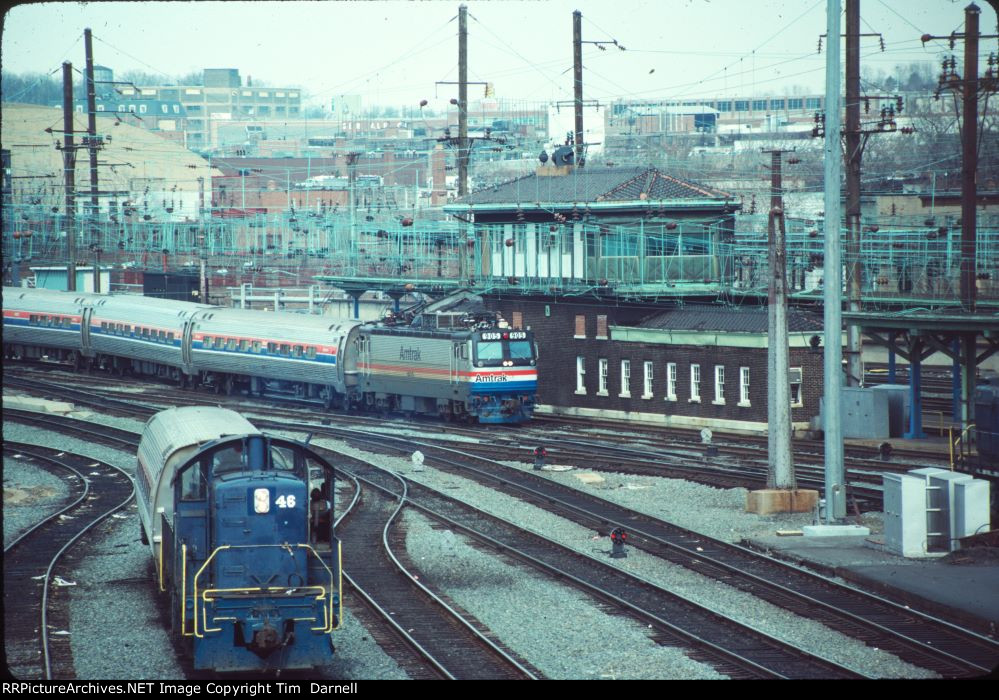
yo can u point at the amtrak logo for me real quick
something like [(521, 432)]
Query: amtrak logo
[(490, 378), (412, 354)]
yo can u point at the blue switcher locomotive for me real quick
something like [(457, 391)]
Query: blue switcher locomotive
[(239, 524)]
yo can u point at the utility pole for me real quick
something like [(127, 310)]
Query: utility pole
[(577, 78), (854, 342), (463, 146), (91, 120), (69, 172), (969, 88), (780, 474), (351, 186), (835, 494)]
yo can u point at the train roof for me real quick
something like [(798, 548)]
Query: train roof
[(179, 427)]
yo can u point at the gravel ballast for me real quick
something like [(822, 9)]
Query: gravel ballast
[(708, 510), (561, 631)]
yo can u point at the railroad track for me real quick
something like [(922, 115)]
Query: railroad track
[(452, 646), (31, 560), (417, 615), (729, 646), (919, 638)]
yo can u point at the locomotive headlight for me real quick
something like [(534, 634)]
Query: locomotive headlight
[(261, 501)]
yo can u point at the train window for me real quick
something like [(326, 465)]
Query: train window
[(489, 350), (285, 349), (310, 352), (272, 348), (192, 484), (520, 350), (162, 336), (145, 332), (66, 322), (297, 351), (228, 459), (257, 345), (170, 336), (231, 344), (285, 458), (33, 319), (244, 345), (206, 341)]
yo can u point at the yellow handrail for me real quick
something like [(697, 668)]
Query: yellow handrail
[(327, 625)]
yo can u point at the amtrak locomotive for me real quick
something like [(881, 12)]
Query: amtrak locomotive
[(239, 525), (474, 369)]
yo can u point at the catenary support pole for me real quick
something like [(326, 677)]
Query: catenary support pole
[(832, 285)]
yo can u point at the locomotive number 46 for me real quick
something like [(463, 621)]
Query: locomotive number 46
[(262, 501)]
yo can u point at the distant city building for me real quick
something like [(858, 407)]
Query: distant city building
[(222, 97)]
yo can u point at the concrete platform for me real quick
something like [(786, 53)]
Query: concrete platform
[(962, 587)]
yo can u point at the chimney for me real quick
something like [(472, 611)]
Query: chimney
[(438, 177)]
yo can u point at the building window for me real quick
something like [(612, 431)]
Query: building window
[(742, 105), (776, 104), (647, 384), (725, 106), (625, 378), (518, 320), (602, 387), (602, 327), (795, 103), (759, 105), (719, 385), (813, 103), (580, 331), (795, 378), (695, 383), (744, 386), (580, 375), (671, 381)]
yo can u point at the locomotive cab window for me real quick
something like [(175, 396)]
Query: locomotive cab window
[(489, 352), (520, 350), (192, 483), (229, 459)]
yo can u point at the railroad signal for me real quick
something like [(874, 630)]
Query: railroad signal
[(539, 457), (618, 538)]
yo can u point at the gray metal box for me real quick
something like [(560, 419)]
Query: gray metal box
[(971, 508), (940, 513), (899, 400), (864, 413), (905, 514)]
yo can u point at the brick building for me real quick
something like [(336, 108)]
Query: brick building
[(688, 366)]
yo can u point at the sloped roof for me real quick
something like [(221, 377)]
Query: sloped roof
[(732, 320), (595, 185)]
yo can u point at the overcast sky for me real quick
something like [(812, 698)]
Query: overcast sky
[(392, 53)]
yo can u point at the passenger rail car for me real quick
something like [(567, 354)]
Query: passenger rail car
[(483, 372), (239, 526)]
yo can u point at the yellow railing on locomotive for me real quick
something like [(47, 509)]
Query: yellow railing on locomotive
[(322, 593)]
